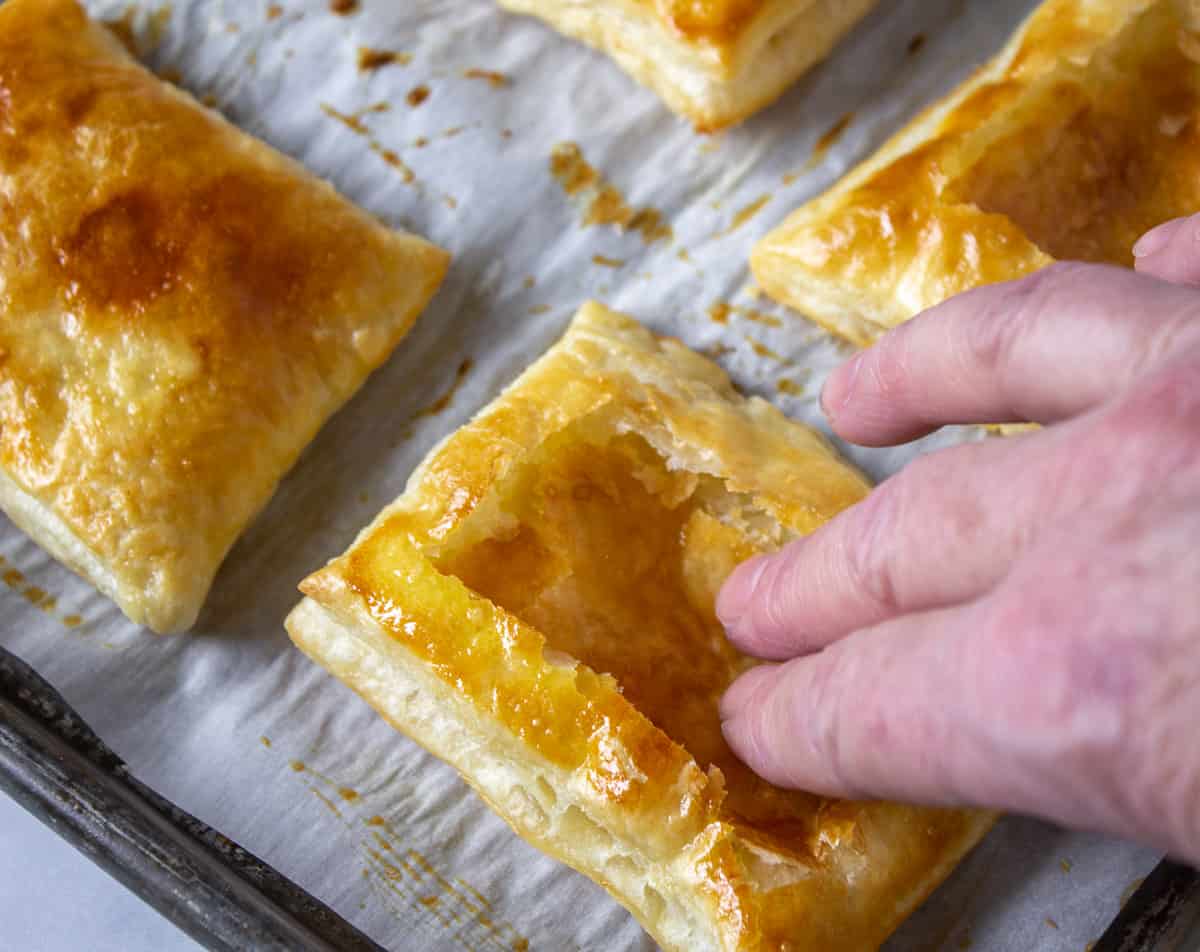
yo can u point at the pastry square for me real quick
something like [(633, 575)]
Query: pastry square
[(1082, 134), (181, 308), (537, 609), (714, 61)]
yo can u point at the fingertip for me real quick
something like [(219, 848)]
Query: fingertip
[(866, 399), (1171, 252), (737, 595), (1156, 239), (742, 693), (765, 727), (839, 388), (746, 722)]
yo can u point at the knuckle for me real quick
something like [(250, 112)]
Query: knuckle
[(1012, 312)]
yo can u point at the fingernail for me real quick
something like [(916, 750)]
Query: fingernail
[(1156, 239), (839, 388), (737, 735), (739, 694), (737, 594)]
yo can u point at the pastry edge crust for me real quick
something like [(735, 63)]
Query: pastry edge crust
[(49, 531), (511, 779), (711, 89), (860, 317)]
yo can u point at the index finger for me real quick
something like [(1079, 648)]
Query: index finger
[(1040, 349)]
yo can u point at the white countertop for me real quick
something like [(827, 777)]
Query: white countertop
[(53, 899)]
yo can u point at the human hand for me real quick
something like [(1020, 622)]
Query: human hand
[(1014, 623)]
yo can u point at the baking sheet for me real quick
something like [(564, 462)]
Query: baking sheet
[(454, 139)]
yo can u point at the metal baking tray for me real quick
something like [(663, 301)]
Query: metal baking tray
[(228, 899)]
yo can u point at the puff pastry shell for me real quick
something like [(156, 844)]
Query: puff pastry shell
[(714, 61), (537, 609), (1082, 133), (181, 308)]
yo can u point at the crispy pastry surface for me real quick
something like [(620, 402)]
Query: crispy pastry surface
[(181, 308), (714, 61), (1080, 135), (537, 609)]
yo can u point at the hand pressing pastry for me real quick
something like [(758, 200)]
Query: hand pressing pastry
[(538, 610), (181, 308), (1082, 134), (714, 61)]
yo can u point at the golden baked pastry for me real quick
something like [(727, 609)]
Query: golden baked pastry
[(1082, 134), (537, 609), (714, 61), (181, 308)]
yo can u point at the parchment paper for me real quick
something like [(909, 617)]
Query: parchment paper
[(234, 724)]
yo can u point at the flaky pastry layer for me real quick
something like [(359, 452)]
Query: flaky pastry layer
[(1080, 135), (716, 62), (537, 609), (181, 308)]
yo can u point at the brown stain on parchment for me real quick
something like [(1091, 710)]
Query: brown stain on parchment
[(829, 138), (745, 213), (370, 60), (759, 317), (1133, 887), (491, 77), (604, 262), (343, 8), (601, 201), (442, 402), (354, 122), (351, 121), (403, 879), (762, 350), (720, 311), (37, 596), (392, 158), (417, 95)]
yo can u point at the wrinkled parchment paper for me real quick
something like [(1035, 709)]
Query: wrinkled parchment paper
[(453, 139)]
